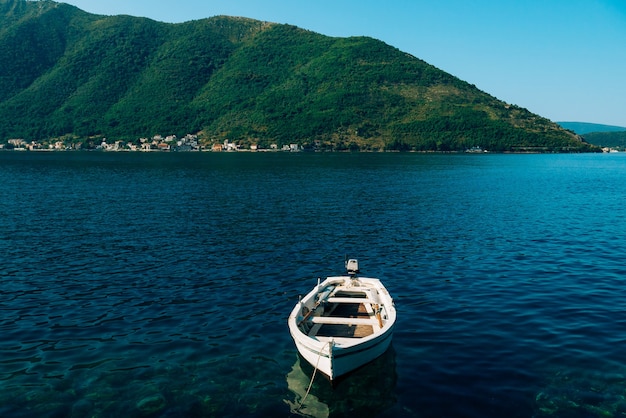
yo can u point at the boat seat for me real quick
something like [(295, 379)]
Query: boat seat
[(342, 321), (339, 340), (349, 300)]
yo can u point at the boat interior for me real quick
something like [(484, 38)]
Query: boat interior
[(344, 313)]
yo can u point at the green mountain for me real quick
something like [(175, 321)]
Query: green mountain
[(78, 76), (582, 128), (607, 139)]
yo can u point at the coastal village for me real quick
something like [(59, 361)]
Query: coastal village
[(188, 143), (170, 143)]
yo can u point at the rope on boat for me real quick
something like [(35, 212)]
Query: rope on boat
[(313, 376)]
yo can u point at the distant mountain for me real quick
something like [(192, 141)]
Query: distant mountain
[(582, 128), (80, 77)]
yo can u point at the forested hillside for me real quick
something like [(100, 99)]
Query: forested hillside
[(607, 139), (74, 76)]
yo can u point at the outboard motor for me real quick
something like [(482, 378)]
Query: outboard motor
[(352, 266)]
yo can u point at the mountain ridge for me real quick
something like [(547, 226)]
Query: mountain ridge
[(82, 77), (582, 128)]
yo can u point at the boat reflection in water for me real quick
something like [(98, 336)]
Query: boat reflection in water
[(367, 391)]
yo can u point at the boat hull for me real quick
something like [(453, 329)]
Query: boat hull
[(343, 360), (336, 355)]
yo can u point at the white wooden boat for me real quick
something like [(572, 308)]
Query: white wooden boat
[(343, 323)]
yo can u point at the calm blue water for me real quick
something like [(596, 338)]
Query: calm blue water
[(159, 284)]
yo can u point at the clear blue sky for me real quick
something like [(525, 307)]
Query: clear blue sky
[(562, 59)]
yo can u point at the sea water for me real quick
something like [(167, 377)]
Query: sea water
[(159, 284)]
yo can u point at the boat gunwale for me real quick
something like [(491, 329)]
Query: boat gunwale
[(337, 355), (318, 344)]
